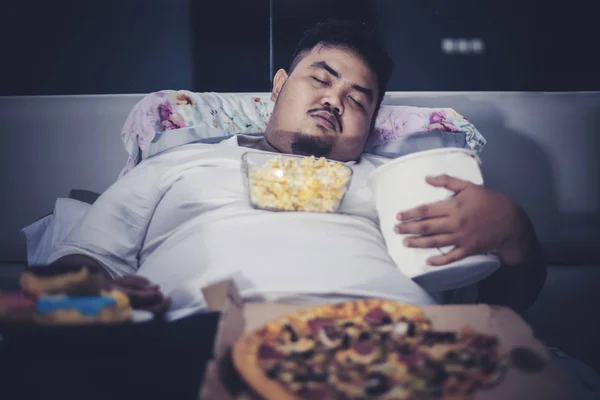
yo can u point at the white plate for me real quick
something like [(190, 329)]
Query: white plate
[(458, 274), (140, 316)]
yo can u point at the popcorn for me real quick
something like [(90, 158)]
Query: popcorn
[(294, 184)]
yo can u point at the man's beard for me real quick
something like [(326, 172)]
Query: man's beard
[(308, 145)]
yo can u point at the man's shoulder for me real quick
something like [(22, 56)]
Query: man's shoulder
[(377, 161), (190, 150)]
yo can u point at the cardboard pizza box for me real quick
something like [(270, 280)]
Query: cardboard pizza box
[(222, 382)]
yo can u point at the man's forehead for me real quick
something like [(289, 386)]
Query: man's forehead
[(344, 61)]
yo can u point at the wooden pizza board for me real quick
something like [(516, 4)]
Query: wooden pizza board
[(222, 382)]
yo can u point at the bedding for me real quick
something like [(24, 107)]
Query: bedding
[(86, 196), (42, 235), (169, 118)]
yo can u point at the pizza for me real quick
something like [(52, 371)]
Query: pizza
[(366, 349)]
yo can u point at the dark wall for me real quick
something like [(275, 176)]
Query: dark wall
[(413, 34), (94, 47), (231, 45), (292, 17), (139, 46), (527, 46)]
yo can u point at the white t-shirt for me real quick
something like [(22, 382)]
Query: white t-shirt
[(182, 219)]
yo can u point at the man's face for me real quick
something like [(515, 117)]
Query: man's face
[(325, 106)]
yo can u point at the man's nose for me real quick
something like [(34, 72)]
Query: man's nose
[(335, 103)]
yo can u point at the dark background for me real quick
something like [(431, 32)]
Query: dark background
[(138, 46)]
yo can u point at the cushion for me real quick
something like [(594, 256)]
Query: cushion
[(86, 196), (401, 130), (169, 118), (44, 233)]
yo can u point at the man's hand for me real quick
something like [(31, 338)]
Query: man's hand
[(475, 220), (142, 294)]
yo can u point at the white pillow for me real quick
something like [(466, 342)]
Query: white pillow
[(44, 233)]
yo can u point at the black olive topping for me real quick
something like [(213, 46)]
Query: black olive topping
[(440, 375), (439, 337), (452, 356), (437, 393), (307, 354), (331, 332), (469, 362), (310, 376), (377, 384), (346, 342), (410, 332), (293, 334), (274, 371), (405, 350), (487, 366)]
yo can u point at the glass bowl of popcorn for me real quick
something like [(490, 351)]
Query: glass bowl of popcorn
[(294, 183)]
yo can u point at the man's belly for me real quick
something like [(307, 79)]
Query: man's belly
[(267, 252)]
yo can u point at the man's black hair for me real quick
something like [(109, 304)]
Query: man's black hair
[(354, 35)]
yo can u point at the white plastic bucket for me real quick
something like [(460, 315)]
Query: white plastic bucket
[(400, 185)]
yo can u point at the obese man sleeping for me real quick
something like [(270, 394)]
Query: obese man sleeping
[(181, 220)]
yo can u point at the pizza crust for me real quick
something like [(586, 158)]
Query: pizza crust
[(245, 360)]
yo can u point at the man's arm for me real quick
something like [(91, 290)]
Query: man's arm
[(519, 281), (110, 236), (111, 233)]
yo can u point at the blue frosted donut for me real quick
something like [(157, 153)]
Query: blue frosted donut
[(89, 306)]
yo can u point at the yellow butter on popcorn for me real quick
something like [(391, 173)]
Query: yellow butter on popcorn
[(306, 184)]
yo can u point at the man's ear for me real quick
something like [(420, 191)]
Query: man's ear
[(278, 81)]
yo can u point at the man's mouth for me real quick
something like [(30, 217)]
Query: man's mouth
[(326, 119)]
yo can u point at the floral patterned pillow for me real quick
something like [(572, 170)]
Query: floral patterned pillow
[(400, 130), (169, 118)]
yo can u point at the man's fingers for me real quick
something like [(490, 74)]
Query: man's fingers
[(438, 209), (454, 184), (140, 297), (430, 242), (141, 292), (133, 281), (458, 253), (160, 308), (430, 226)]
